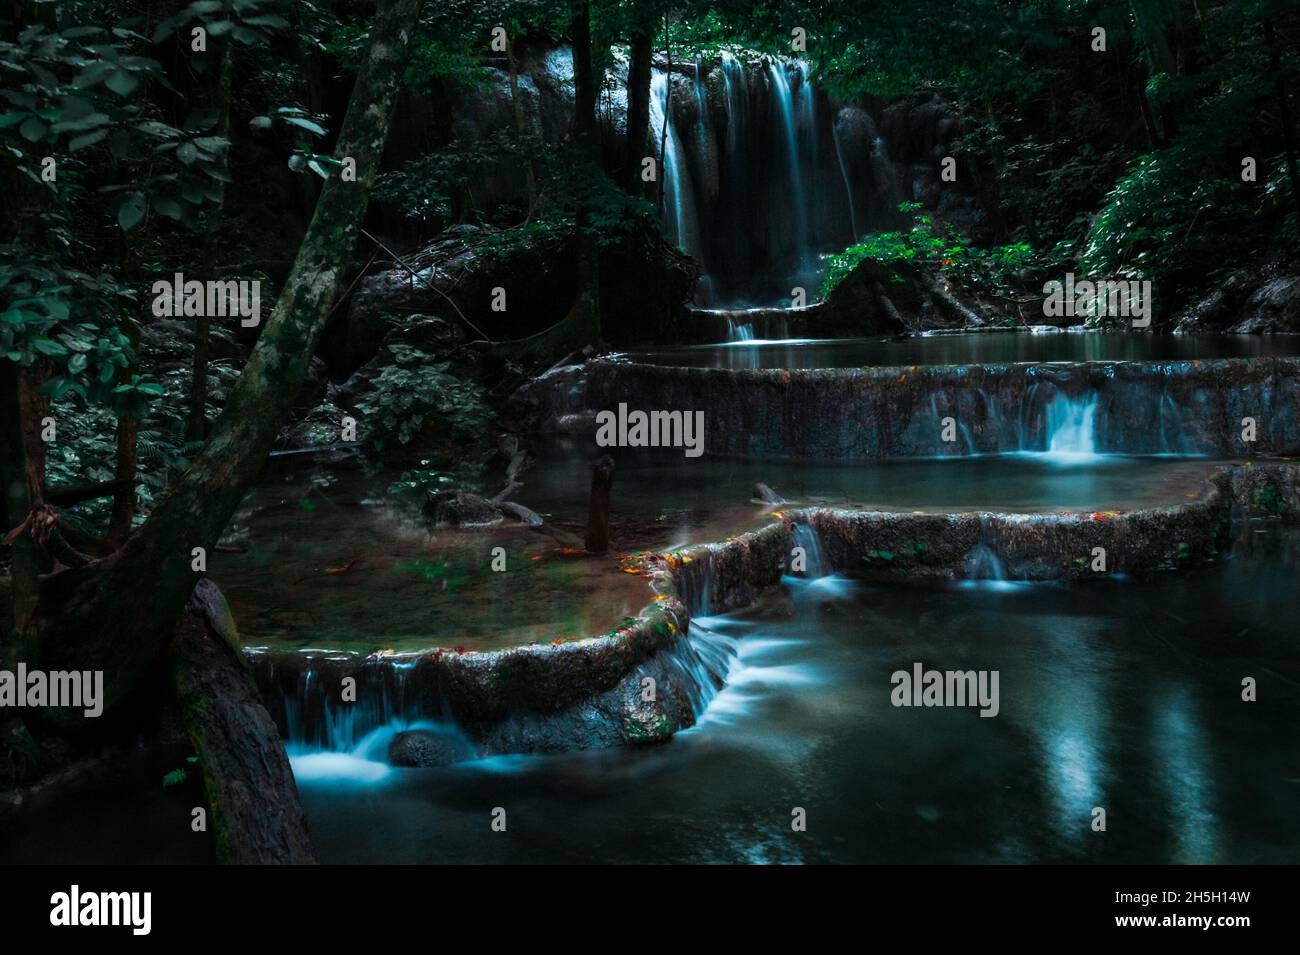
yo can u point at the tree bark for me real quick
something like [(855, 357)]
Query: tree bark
[(254, 811), (638, 105), (22, 408), (602, 483), (521, 127), (99, 616), (586, 309)]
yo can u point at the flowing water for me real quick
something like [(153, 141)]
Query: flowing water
[(754, 180), (1111, 695)]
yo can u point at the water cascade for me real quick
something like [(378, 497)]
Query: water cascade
[(756, 174), (1071, 428), (814, 564)]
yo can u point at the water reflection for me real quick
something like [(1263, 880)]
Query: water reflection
[(967, 349)]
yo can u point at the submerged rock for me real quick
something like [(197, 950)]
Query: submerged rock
[(460, 509), (426, 748)]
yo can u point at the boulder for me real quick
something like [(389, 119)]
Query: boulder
[(427, 748)]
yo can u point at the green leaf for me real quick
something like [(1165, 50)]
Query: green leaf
[(168, 207), (81, 142), (122, 82), (32, 129), (305, 124), (187, 153), (48, 346), (131, 211)]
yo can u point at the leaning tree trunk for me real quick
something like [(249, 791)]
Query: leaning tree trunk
[(255, 814), (116, 614)]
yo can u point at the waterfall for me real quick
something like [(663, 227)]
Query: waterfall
[(848, 185), (739, 333), (983, 564), (785, 110), (748, 150), (679, 196), (814, 564), (1071, 427), (703, 660)]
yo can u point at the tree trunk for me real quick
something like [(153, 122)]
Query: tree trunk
[(602, 483), (99, 616), (521, 128), (254, 811), (23, 408), (586, 310), (196, 428), (1284, 114), (638, 106)]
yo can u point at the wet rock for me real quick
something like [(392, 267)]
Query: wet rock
[(521, 513), (425, 748), (1273, 307), (855, 414), (765, 494), (460, 509)]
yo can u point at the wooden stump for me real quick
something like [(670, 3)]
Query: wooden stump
[(602, 480)]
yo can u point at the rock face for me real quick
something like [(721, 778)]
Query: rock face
[(1245, 304), (859, 414), (1273, 307), (456, 278), (920, 132)]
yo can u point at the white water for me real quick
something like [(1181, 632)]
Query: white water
[(1071, 429), (679, 196)]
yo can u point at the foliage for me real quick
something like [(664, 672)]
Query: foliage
[(423, 481), (927, 243), (416, 391)]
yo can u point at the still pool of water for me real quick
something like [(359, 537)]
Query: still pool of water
[(970, 349), (1111, 695), (328, 568)]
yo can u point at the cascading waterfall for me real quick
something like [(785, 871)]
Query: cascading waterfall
[(703, 661), (785, 111), (1071, 428), (984, 564), (806, 539), (739, 332), (754, 178), (679, 196)]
